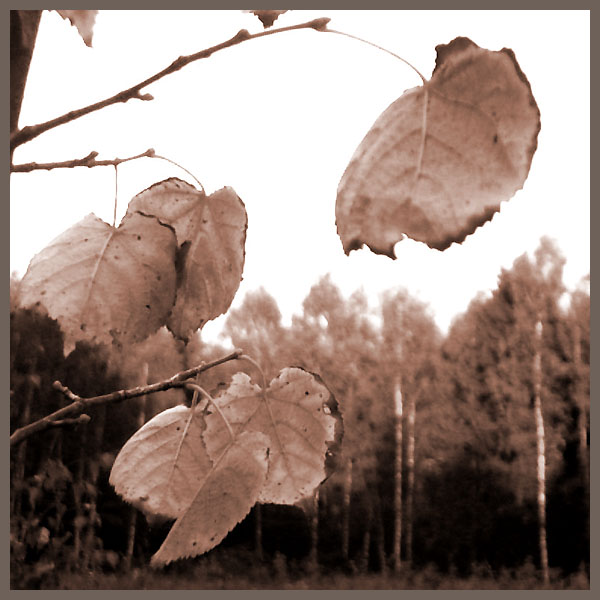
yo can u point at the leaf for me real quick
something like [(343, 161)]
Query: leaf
[(159, 470), (102, 282), (439, 160), (84, 21), (267, 17), (224, 498), (299, 415), (211, 233)]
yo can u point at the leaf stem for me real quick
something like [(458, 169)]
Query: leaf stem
[(253, 362), (354, 37), (197, 389), (182, 168), (79, 405), (116, 195)]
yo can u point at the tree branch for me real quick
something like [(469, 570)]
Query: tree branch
[(87, 161), (67, 414), (30, 132)]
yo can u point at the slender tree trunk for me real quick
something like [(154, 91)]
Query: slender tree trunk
[(581, 405), (314, 533), (19, 471), (78, 489), (131, 529), (410, 474), (541, 456), (93, 472), (379, 533), (346, 511), (368, 522), (396, 553), (258, 545)]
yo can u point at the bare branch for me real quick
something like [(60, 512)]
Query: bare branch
[(30, 132), (79, 405), (87, 161)]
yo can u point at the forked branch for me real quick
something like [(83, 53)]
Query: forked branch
[(78, 406)]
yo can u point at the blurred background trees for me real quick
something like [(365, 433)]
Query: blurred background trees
[(465, 468)]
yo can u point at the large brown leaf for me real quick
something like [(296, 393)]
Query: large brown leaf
[(222, 500), (439, 160), (103, 283), (300, 417), (211, 233), (162, 466)]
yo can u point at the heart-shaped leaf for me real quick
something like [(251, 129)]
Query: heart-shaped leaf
[(223, 499), (161, 467), (103, 283), (299, 415), (439, 160), (211, 234)]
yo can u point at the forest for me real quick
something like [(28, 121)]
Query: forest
[(434, 484)]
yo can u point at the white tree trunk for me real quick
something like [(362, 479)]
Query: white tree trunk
[(396, 556), (410, 474), (541, 455), (581, 405)]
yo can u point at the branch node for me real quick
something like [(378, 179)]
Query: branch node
[(57, 385), (242, 35), (320, 24), (81, 419)]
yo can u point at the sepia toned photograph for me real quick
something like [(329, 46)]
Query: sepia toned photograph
[(299, 299)]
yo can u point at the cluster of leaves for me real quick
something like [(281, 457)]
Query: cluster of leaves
[(208, 464), (176, 259)]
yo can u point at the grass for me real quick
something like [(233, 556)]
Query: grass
[(278, 574)]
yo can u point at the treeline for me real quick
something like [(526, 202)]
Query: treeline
[(438, 462)]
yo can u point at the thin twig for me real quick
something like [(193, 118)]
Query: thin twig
[(79, 405), (76, 421), (87, 161), (90, 161), (30, 132)]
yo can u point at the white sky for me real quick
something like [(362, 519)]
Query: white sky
[(278, 119)]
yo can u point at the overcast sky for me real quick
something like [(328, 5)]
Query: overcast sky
[(278, 119)]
